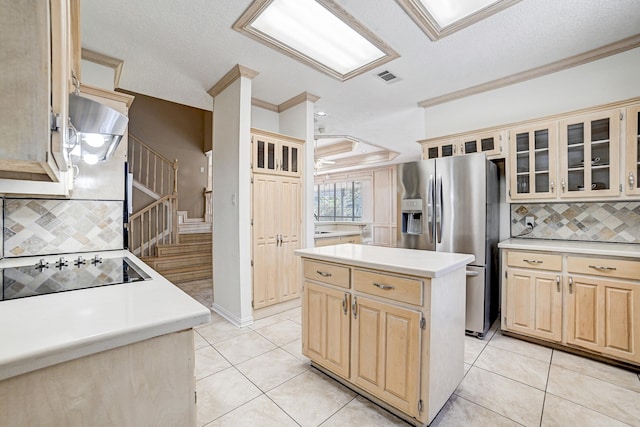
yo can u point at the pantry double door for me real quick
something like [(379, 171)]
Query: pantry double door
[(276, 224)]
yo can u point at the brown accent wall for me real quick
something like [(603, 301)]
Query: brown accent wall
[(177, 132)]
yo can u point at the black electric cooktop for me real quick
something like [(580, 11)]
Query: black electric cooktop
[(67, 275)]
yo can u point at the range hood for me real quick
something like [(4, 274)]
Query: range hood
[(99, 129)]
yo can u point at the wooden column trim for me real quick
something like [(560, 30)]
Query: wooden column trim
[(234, 74)]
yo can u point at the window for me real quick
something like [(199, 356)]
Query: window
[(339, 201)]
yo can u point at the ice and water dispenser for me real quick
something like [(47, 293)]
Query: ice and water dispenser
[(411, 210)]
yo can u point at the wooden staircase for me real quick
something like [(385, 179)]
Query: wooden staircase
[(177, 247), (191, 259)]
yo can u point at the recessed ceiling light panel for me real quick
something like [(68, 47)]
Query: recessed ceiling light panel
[(318, 32), (439, 18)]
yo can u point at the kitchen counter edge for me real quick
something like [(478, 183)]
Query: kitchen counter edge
[(50, 329), (588, 248), (396, 260)]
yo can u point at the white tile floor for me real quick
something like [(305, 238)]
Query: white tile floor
[(256, 376)]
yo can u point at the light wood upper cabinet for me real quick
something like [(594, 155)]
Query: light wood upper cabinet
[(631, 174), (589, 155), (34, 82), (533, 161), (489, 142), (444, 148), (277, 154), (386, 352)]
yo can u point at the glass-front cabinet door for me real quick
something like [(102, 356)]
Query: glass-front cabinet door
[(489, 143), (264, 153), (589, 155), (438, 149), (533, 161), (632, 151)]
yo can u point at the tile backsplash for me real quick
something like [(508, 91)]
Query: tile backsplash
[(41, 227), (587, 221)]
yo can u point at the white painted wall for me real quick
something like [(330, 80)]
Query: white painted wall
[(610, 79), (265, 119), (297, 121), (97, 75), (232, 200)]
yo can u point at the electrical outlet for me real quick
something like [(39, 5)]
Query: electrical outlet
[(529, 221)]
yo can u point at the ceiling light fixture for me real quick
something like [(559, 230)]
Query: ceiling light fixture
[(439, 18), (317, 32)]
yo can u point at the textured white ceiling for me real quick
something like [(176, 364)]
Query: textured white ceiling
[(177, 49)]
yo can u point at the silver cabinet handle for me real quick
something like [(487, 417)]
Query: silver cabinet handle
[(345, 304), (472, 273), (385, 287), (602, 267), (558, 283), (552, 185), (563, 185), (631, 181), (323, 273), (354, 307), (533, 261), (570, 284)]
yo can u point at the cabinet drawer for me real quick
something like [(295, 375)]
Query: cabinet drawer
[(535, 260), (624, 269), (397, 288), (332, 274)]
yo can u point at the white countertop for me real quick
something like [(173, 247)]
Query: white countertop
[(44, 330), (399, 260), (327, 234), (589, 248)]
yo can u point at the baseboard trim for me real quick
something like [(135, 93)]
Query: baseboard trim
[(231, 317)]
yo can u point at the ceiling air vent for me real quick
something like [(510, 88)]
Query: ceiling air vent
[(388, 77)]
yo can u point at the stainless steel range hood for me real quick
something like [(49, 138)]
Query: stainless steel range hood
[(99, 128)]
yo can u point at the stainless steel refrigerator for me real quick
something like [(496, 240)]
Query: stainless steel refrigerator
[(451, 205)]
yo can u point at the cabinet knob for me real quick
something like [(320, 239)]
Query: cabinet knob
[(631, 181), (570, 284), (558, 283), (563, 185), (552, 185)]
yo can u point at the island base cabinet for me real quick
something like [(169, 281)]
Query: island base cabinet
[(142, 384), (386, 352), (534, 304), (326, 327), (604, 316)]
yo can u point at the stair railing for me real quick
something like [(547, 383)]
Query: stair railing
[(153, 225), (151, 168), (158, 222)]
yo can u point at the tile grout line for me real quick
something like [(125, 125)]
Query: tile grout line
[(544, 398), (488, 409), (586, 407)]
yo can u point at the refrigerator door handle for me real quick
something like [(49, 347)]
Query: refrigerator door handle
[(440, 207), (430, 207)]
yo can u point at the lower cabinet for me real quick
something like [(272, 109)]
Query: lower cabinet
[(327, 325), (598, 298), (386, 352), (534, 303)]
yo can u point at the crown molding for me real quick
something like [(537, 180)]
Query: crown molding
[(105, 60), (572, 61), (234, 74)]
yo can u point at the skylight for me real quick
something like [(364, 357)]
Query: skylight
[(439, 18), (319, 33)]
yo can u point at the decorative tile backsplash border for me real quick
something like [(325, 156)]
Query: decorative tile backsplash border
[(42, 227), (586, 221)]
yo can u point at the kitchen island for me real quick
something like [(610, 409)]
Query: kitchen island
[(111, 355), (387, 322)]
